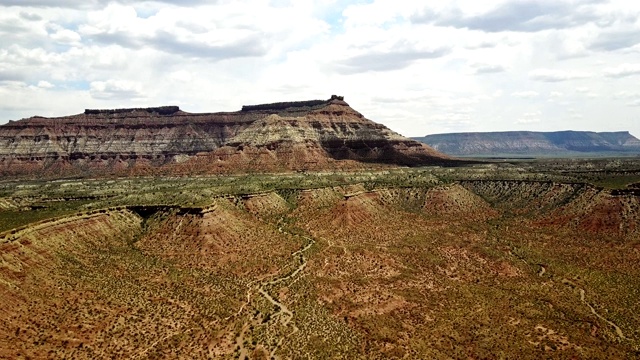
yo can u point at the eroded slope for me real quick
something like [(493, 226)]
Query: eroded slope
[(308, 135), (470, 269)]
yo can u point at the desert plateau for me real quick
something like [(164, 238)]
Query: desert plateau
[(305, 231), (335, 179)]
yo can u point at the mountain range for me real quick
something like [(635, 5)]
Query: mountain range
[(530, 143)]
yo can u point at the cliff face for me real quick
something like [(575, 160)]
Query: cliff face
[(298, 135), (528, 143)]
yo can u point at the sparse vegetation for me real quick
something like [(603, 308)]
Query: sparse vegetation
[(528, 260)]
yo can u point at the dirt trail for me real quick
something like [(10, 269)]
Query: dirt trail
[(543, 270), (283, 315), (618, 330), (145, 351), (593, 310)]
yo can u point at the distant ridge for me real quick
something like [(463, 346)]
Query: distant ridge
[(534, 144)]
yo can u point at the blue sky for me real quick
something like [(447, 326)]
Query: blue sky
[(419, 68)]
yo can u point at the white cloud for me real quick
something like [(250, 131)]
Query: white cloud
[(626, 95), (518, 16), (443, 66), (45, 84), (550, 75), (487, 68), (586, 91), (116, 90), (622, 70), (526, 94), (377, 13), (66, 36), (529, 118), (391, 59)]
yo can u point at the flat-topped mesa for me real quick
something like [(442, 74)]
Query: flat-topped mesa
[(160, 110), (284, 136), (296, 105), (566, 143)]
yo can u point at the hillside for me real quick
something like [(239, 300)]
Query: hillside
[(529, 143), (395, 264), (306, 135)]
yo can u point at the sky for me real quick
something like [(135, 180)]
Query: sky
[(417, 67)]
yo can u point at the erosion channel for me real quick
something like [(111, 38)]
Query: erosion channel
[(279, 315)]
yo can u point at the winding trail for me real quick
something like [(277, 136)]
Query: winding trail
[(618, 330), (283, 315), (593, 310), (543, 270)]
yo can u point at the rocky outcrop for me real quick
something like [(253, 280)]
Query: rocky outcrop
[(281, 136), (529, 143), (162, 110)]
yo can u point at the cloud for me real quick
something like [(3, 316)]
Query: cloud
[(90, 4), (483, 44), (454, 120), (46, 3), (12, 26), (386, 60), (623, 70), (631, 98), (15, 29), (526, 94), (374, 13), (30, 16), (66, 36), (12, 75), (114, 38), (45, 84), (626, 95), (192, 27), (120, 25), (383, 55), (252, 45), (115, 90), (480, 69), (391, 100), (529, 118), (615, 40), (520, 16), (167, 42), (548, 75)]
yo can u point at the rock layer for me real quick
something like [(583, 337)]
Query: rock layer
[(295, 135)]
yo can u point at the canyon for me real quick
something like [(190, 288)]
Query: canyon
[(304, 230), (481, 261)]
